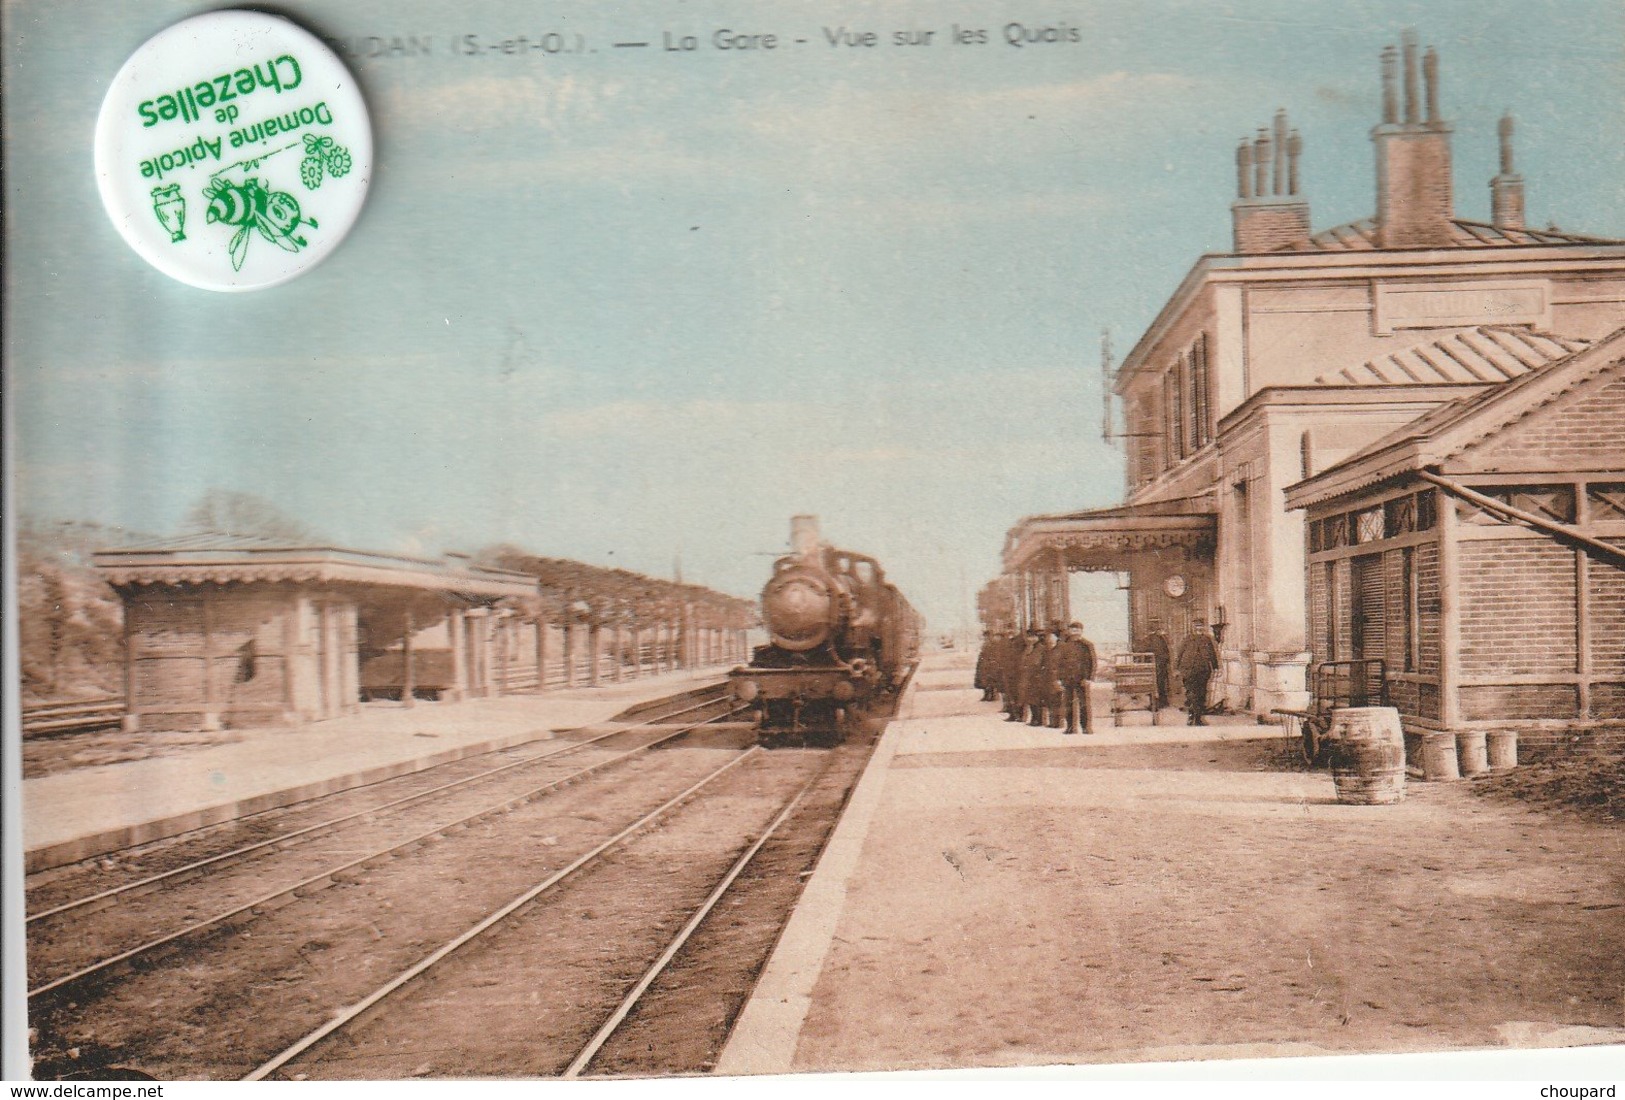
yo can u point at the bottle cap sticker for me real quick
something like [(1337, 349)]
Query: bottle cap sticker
[(233, 151)]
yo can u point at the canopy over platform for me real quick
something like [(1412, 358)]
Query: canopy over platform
[(1108, 539), (238, 560)]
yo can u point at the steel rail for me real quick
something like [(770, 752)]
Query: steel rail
[(145, 885), (346, 1016), (630, 1001), (326, 876)]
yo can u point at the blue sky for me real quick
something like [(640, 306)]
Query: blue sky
[(624, 305)]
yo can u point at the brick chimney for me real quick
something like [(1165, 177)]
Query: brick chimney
[(1414, 205), (1506, 189), (1268, 211)]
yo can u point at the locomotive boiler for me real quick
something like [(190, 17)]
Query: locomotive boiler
[(842, 641)]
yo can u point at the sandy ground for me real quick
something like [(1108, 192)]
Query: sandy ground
[(1024, 898)]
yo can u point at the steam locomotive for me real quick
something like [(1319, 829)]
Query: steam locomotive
[(842, 641)]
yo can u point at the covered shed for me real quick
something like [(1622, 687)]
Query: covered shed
[(1478, 554), (245, 631)]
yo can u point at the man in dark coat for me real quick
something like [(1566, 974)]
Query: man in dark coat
[(1073, 664), (1162, 651), (986, 661), (1035, 677), (1015, 672), (1198, 661), (1049, 712)]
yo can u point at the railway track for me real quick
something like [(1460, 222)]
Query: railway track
[(58, 931), (592, 1016), (232, 998), (358, 1010), (46, 719)]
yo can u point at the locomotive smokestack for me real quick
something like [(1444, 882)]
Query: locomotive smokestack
[(804, 535)]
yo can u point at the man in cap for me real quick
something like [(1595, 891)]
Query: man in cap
[(1162, 653), (1072, 663), (1198, 661)]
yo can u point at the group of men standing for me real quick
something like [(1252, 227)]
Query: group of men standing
[(1043, 676)]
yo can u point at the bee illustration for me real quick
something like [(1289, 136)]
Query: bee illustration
[(249, 205)]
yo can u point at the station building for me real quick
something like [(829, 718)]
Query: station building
[(1291, 356)]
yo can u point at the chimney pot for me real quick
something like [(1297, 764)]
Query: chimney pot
[(1390, 86), (1244, 169), (1261, 162), (1506, 189), (1278, 148), (1409, 47), (1430, 77)]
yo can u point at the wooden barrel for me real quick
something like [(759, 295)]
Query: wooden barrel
[(1472, 752), (1503, 749), (1367, 749)]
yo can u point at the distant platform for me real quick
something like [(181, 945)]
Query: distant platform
[(84, 812)]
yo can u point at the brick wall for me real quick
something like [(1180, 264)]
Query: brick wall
[(1396, 610), (1606, 588), (1586, 433), (1518, 607), (1537, 745), (1414, 202), (1427, 701), (1427, 599), (1607, 700), (1512, 702), (1264, 225), (1319, 636), (1342, 580)]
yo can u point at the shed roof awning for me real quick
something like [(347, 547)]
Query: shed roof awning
[(1107, 539), (238, 561)]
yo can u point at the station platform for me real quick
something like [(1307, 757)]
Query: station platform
[(88, 811), (997, 895)]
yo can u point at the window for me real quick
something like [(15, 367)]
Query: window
[(1202, 392), (1399, 515), (1335, 531), (1606, 502), (1187, 404), (1170, 421), (1187, 382), (1368, 525), (1427, 514), (1177, 413)]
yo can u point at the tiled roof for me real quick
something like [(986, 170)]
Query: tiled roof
[(225, 543), (1361, 236), (1488, 353), (1447, 430)]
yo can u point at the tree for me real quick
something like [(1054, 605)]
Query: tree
[(230, 513)]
